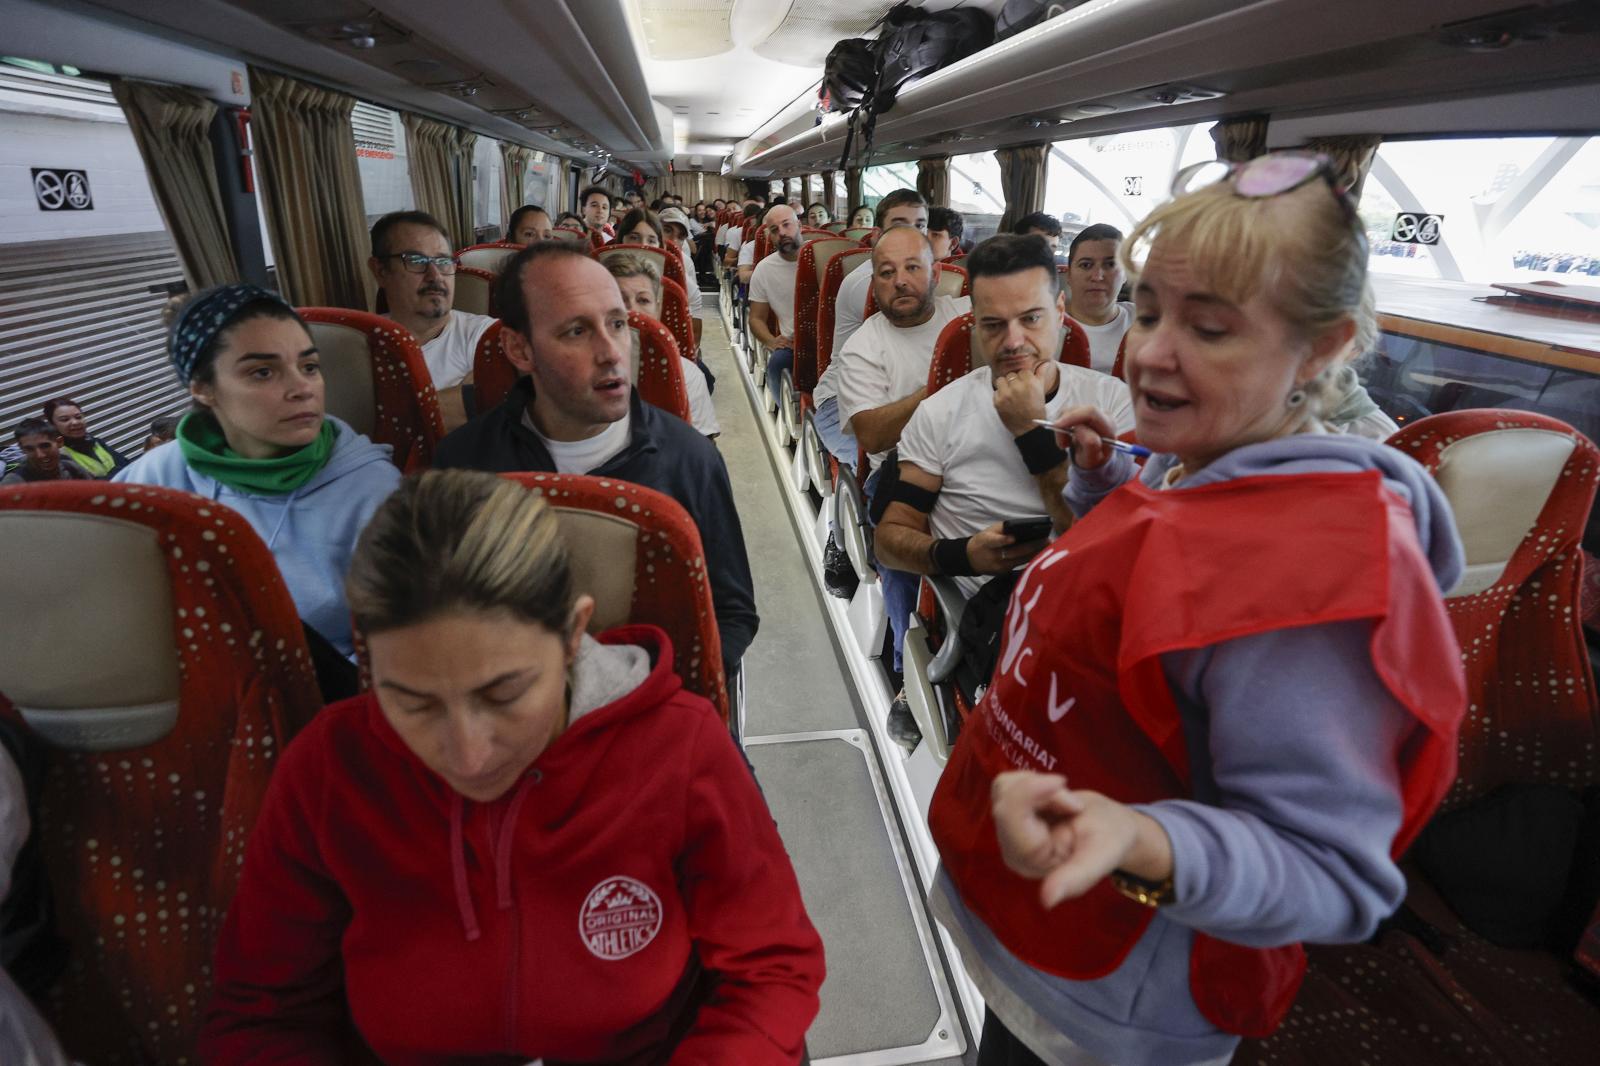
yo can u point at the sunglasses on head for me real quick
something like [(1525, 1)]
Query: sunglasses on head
[(1267, 176)]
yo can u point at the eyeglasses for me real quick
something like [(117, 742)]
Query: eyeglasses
[(1267, 176), (417, 263)]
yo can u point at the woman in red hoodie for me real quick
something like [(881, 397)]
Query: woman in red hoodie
[(523, 843)]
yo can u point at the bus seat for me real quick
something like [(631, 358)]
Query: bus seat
[(605, 522), (762, 247), (956, 258), (657, 368), (474, 291), (1119, 369), (675, 316), (570, 235), (863, 235), (1521, 486), (596, 239), (492, 257), (669, 266), (955, 353), (493, 376), (948, 281), (836, 227), (809, 279), (378, 382), (838, 266), (163, 738)]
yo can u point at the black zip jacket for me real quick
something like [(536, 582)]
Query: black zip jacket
[(663, 453)]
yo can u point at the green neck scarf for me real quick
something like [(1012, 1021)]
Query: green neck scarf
[(207, 451)]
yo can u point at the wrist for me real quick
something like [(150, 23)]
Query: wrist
[(949, 557), (1149, 857)]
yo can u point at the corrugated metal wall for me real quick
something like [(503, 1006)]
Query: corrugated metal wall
[(78, 318)]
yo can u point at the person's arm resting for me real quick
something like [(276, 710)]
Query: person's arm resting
[(758, 324), (879, 429)]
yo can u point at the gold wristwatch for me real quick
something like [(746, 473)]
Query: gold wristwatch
[(1148, 893)]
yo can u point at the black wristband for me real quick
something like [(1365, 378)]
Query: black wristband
[(1039, 450), (949, 557)]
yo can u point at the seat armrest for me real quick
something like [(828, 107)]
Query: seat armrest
[(951, 605)]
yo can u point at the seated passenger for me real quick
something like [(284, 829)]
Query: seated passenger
[(413, 265), (524, 843), (1043, 225), (40, 445), (574, 411), (1094, 278), (744, 251), (902, 207), (861, 216), (641, 226), (571, 220), (818, 215), (970, 457), (640, 283), (596, 205), (92, 455), (945, 227), (163, 430), (262, 443), (1222, 749), (772, 289), (529, 223), (675, 224)]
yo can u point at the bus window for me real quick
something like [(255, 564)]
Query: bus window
[(1121, 178), (381, 160), (975, 191), (1510, 209), (878, 182)]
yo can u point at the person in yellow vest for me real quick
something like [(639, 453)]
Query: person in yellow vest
[(92, 455)]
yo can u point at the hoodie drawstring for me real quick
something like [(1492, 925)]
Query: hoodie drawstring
[(502, 854)]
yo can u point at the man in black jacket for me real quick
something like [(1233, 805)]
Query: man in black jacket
[(574, 411)]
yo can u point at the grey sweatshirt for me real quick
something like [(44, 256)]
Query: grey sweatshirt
[(1292, 741)]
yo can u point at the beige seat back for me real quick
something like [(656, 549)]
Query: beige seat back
[(473, 292), (601, 548), (493, 260), (347, 373)]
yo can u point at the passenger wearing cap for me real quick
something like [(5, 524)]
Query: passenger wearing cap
[(676, 225), (262, 443)]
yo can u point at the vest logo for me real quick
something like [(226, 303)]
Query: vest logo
[(619, 918)]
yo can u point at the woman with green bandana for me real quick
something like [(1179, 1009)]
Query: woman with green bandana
[(260, 442)]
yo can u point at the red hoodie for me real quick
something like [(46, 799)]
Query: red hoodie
[(629, 901)]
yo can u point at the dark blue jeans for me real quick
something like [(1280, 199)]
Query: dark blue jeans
[(899, 587), (781, 359)]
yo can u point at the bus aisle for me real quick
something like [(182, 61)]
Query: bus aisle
[(887, 996)]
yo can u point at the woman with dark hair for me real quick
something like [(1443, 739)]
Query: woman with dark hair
[(91, 454), (261, 442), (449, 868), (818, 215), (861, 215), (642, 226)]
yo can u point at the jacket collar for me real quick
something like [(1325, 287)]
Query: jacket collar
[(641, 428)]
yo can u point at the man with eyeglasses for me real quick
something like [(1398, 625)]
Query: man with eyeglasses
[(415, 268)]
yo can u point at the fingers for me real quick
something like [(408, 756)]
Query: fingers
[(1091, 858)]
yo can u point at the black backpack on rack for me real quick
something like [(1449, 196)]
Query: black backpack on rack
[(849, 74), (1019, 15)]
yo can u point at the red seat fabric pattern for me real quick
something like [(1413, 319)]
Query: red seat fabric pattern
[(952, 352), (807, 307), (1119, 369), (675, 316), (838, 267), (143, 846), (660, 369), (493, 376), (669, 266), (670, 587), (407, 409)]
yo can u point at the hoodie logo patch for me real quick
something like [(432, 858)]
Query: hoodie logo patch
[(620, 917)]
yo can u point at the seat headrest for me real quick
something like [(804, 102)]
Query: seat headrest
[(602, 549), (90, 661), (1497, 484), (493, 260), (472, 292), (350, 392)]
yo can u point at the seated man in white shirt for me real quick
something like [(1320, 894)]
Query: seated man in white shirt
[(772, 289), (970, 457), (640, 283), (414, 266), (902, 207)]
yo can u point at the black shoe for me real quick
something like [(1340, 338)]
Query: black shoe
[(838, 575), (902, 725)]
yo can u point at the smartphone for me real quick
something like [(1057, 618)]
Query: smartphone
[(1026, 530)]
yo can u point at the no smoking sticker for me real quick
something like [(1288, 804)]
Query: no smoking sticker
[(1415, 227), (62, 190)]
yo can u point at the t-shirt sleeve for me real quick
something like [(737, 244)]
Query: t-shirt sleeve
[(1116, 402), (747, 254), (847, 308), (862, 382), (923, 441)]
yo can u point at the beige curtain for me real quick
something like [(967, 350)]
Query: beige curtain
[(441, 173), (852, 187), (1351, 156), (1239, 139), (1022, 180), (170, 127), (933, 180), (830, 199), (514, 160), (306, 161)]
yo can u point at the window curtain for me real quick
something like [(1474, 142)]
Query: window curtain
[(1351, 157), (933, 180), (441, 173), (1022, 180), (169, 125), (306, 161), (830, 199), (852, 187), (1239, 139), (514, 160)]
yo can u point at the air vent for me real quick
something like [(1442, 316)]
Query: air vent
[(685, 29), (374, 127)]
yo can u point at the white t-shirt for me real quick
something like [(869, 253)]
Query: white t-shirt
[(582, 456), (734, 238), (850, 303), (691, 285), (702, 414), (827, 385), (747, 253), (773, 285), (449, 355), (956, 435), (721, 239), (1104, 340), (884, 363)]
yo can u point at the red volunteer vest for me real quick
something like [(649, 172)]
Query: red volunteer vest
[(1079, 691)]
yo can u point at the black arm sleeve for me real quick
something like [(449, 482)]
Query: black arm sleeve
[(727, 564)]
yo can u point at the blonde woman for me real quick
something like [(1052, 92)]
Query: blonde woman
[(522, 843), (1228, 695)]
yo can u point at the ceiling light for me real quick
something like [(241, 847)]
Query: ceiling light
[(1096, 109)]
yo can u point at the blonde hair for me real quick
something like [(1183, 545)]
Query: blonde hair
[(460, 540), (1297, 250), (628, 265)]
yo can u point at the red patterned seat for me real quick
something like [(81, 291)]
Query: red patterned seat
[(668, 266), (491, 257), (827, 300), (475, 291), (809, 279), (955, 355), (1521, 486), (949, 281), (606, 523), (493, 376), (377, 381), (163, 738), (863, 235), (762, 246), (1119, 369)]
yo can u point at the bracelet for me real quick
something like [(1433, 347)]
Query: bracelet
[(1147, 893), (949, 557), (1039, 450)]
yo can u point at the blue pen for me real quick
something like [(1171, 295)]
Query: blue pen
[(1138, 451)]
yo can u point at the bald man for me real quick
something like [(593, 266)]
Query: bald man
[(772, 290)]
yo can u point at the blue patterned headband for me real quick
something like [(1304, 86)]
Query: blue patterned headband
[(208, 314)]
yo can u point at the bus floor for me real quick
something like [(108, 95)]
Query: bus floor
[(886, 999)]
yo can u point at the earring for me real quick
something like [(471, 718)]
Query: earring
[(1296, 398)]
